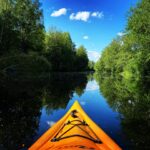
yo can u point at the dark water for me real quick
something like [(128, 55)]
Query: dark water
[(29, 107)]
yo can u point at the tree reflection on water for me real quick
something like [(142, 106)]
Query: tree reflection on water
[(131, 98), (22, 100)]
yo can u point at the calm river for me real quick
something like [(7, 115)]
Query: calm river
[(29, 107)]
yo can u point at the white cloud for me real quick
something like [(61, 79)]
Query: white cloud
[(93, 55), (82, 15), (120, 34), (60, 12), (85, 37), (51, 123), (85, 15), (97, 14), (83, 103), (92, 86)]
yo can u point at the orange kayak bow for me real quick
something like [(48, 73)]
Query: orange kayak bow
[(75, 131)]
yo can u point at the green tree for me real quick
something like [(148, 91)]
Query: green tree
[(107, 62), (22, 37), (60, 50), (139, 26), (22, 34), (129, 55), (82, 59), (21, 26), (91, 65), (8, 36), (29, 25)]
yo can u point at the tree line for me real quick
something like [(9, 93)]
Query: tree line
[(129, 55), (25, 46), (62, 52)]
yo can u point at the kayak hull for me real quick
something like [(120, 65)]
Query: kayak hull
[(75, 130)]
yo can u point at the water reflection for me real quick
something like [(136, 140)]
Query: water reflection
[(60, 89), (29, 107), (22, 102), (19, 114), (131, 98)]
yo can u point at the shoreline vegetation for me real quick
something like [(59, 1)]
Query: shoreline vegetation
[(128, 55), (27, 49)]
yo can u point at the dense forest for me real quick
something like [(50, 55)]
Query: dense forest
[(26, 48), (129, 55)]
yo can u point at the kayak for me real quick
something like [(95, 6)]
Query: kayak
[(75, 131)]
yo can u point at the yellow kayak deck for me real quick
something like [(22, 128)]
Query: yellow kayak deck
[(75, 130)]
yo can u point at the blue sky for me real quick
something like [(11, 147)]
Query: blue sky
[(92, 23)]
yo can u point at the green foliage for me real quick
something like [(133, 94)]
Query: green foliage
[(139, 26), (5, 5), (61, 52), (129, 55), (21, 26), (8, 36), (139, 23), (91, 65), (22, 33), (82, 58), (127, 58), (108, 58), (29, 25), (28, 65)]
